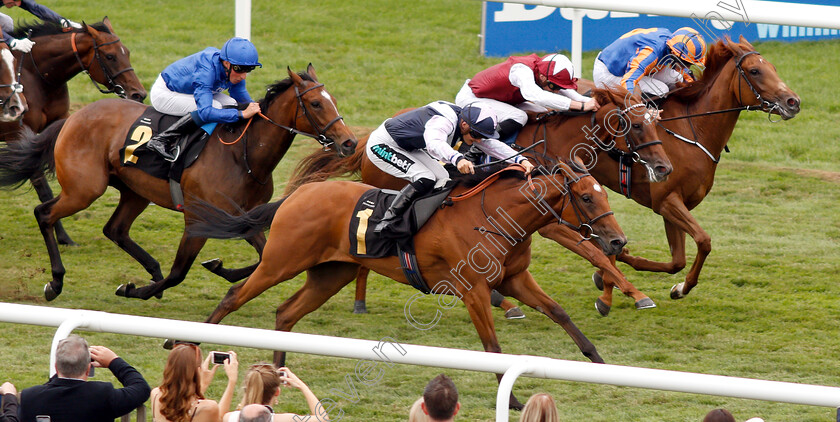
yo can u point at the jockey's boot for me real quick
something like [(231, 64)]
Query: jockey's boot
[(163, 142), (398, 207)]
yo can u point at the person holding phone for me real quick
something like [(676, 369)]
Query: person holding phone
[(262, 385), (9, 412), (180, 397), (68, 396)]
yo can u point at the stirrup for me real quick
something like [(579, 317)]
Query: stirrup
[(175, 154)]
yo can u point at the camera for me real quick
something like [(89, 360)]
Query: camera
[(219, 357)]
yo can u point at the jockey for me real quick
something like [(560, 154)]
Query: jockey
[(192, 87), (654, 59), (41, 12), (410, 146), (524, 83)]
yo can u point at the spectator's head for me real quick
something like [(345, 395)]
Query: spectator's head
[(440, 399), (255, 413), (719, 415), (261, 385), (539, 408), (416, 413), (181, 384), (72, 357)]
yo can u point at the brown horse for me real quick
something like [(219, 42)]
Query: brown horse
[(696, 123), (310, 227), (58, 56), (566, 137), (12, 101), (232, 173)]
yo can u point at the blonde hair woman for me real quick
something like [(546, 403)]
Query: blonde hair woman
[(262, 385), (539, 408), (180, 397)]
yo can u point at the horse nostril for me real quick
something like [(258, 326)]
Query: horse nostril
[(663, 170), (617, 244), (793, 102), (349, 144), (138, 97)]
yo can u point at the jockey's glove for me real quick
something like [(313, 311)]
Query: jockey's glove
[(67, 23), (23, 45)]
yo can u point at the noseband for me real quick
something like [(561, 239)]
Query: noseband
[(765, 106), (113, 87), (15, 86)]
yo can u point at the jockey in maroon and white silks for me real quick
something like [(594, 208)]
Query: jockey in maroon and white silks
[(525, 83)]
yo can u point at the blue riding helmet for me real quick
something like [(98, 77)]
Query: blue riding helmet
[(240, 51), (481, 120)]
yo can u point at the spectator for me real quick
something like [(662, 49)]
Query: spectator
[(262, 386), (180, 397), (416, 413), (255, 413), (440, 399), (539, 408), (719, 415), (69, 396), (9, 411)]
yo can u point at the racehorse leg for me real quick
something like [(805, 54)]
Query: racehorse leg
[(323, 281), (522, 286), (184, 258), (359, 306), (45, 193), (609, 273), (215, 265), (131, 205)]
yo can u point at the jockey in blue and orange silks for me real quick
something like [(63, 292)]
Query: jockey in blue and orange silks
[(652, 59)]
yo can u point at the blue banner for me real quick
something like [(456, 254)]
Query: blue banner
[(512, 29)]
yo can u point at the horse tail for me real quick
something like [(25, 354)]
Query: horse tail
[(321, 165), (29, 155), (215, 223)]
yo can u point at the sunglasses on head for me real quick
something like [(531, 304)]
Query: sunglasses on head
[(238, 68)]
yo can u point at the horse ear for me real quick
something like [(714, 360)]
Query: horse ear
[(107, 23), (311, 71), (294, 76)]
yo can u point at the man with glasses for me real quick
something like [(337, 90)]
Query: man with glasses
[(192, 87), (524, 83), (412, 146)]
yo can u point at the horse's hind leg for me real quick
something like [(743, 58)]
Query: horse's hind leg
[(359, 305), (45, 193), (323, 281), (523, 287), (184, 258), (233, 275), (117, 228)]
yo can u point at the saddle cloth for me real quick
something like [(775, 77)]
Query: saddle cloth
[(134, 152)]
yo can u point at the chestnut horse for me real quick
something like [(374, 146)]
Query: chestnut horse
[(12, 101), (59, 55), (310, 227), (229, 173), (696, 123), (585, 136)]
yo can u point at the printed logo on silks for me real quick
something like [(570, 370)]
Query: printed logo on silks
[(392, 157)]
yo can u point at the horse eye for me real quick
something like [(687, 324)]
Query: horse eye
[(637, 126), (110, 57), (316, 104), (754, 72), (586, 198)]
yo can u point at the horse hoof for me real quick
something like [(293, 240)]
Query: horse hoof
[(677, 291), (67, 242), (602, 307), (212, 264), (645, 303), (514, 313), (598, 280), (359, 307), (49, 293), (124, 289), (515, 404)]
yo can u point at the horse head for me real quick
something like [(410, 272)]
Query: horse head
[(584, 206), (12, 102), (631, 130), (318, 114), (758, 82), (107, 61)]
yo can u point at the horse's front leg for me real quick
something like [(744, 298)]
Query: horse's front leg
[(215, 265), (359, 305), (130, 206), (522, 286), (184, 258)]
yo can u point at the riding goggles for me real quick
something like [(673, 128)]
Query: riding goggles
[(238, 68)]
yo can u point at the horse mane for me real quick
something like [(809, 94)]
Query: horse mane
[(614, 95), (719, 54), (279, 87), (40, 29)]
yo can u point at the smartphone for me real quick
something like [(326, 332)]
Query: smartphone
[(90, 372), (282, 374), (42, 418), (219, 357)]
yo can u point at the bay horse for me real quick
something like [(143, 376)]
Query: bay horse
[(309, 232), (229, 173), (696, 123), (567, 136), (59, 54)]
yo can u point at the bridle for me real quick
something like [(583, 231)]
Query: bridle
[(623, 132), (113, 87), (16, 87), (321, 135)]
